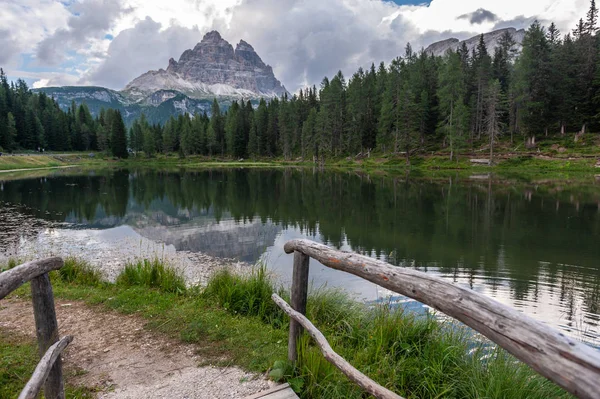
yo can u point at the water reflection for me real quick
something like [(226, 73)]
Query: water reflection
[(531, 246)]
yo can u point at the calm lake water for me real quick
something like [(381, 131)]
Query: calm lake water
[(533, 246)]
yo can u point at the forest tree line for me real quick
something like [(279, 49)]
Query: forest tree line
[(34, 121), (456, 102)]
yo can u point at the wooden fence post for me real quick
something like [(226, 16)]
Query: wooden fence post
[(298, 302), (47, 332)]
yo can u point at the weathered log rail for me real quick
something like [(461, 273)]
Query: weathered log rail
[(48, 372), (571, 364)]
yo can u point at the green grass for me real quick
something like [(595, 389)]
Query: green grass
[(79, 272), (418, 357), (18, 359), (9, 265), (248, 296), (153, 274), (233, 321), (35, 161)]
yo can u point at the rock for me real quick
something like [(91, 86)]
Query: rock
[(492, 40), (212, 68)]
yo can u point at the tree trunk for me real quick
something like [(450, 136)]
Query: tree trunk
[(491, 149)]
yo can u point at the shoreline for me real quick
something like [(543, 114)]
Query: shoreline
[(521, 163), (42, 168)]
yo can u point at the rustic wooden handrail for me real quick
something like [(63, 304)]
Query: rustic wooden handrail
[(44, 313), (571, 364), (342, 364), (12, 279), (34, 385)]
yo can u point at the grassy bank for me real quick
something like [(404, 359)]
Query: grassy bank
[(38, 161), (233, 321), (18, 358), (535, 164)]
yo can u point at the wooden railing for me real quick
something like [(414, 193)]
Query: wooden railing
[(571, 364), (48, 372)]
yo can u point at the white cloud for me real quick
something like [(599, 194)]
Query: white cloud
[(89, 21), (138, 49), (302, 40), (27, 22), (41, 83)]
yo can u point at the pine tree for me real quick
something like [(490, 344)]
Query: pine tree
[(494, 104), (231, 127), (149, 141), (309, 132), (118, 136), (451, 94), (261, 123), (482, 64), (531, 75), (591, 23), (11, 133)]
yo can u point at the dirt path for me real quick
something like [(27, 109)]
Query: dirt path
[(124, 361)]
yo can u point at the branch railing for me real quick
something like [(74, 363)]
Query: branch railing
[(567, 362), (48, 372)]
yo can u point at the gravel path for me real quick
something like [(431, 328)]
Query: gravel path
[(124, 361)]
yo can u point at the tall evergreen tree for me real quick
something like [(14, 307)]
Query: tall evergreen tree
[(118, 135)]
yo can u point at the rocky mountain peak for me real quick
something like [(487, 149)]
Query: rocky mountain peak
[(243, 46), (172, 64), (212, 69), (491, 39), (212, 37)]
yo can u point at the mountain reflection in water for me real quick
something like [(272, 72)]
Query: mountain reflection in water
[(533, 247)]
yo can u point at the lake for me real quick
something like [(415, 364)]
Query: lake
[(531, 245)]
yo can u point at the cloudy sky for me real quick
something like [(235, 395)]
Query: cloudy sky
[(110, 42)]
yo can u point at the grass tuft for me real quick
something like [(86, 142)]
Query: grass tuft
[(248, 295), (153, 274), (10, 263), (18, 359), (79, 272)]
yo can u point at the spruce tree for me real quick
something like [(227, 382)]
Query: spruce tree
[(118, 136)]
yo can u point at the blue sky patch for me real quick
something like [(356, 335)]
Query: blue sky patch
[(410, 2)]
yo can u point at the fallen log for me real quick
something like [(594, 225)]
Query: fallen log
[(480, 161)]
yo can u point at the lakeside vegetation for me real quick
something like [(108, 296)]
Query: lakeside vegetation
[(524, 163), (234, 321)]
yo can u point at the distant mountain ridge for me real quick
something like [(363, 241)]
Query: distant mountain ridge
[(157, 107), (491, 40)]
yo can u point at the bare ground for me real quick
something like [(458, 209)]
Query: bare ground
[(114, 354)]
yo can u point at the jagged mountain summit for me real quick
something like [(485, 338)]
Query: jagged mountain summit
[(211, 69), (492, 40)]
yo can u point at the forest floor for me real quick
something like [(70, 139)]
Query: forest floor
[(114, 357)]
